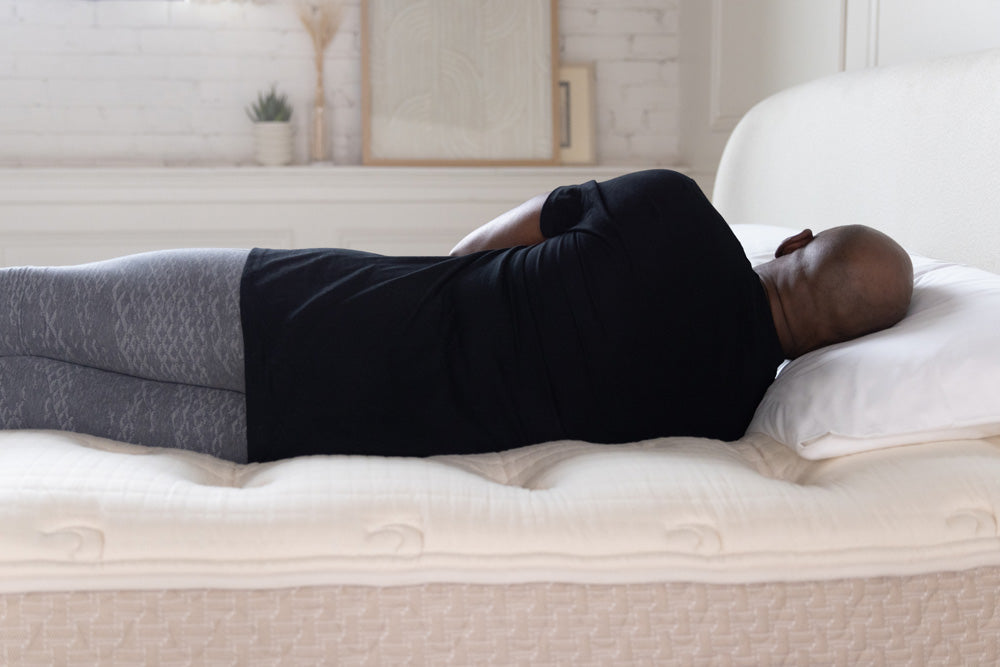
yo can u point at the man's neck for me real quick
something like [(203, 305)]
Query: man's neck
[(785, 337)]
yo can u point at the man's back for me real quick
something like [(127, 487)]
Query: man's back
[(638, 317)]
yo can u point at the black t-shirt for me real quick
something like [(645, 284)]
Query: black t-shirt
[(639, 316)]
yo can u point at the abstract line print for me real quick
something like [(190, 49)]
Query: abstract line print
[(461, 80)]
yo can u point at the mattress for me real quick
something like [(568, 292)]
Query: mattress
[(654, 551), (82, 513)]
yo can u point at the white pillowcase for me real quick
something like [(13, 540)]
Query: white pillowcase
[(934, 376), (760, 241)]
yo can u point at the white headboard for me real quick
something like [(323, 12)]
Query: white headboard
[(913, 150)]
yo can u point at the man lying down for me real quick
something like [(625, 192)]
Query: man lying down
[(608, 312)]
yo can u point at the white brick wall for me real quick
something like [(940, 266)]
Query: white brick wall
[(160, 82)]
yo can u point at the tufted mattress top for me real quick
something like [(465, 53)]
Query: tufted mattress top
[(79, 512)]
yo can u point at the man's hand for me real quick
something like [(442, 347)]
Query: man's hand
[(518, 226)]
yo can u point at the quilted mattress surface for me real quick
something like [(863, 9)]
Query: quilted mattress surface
[(82, 513)]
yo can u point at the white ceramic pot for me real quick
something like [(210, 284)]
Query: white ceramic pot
[(274, 143)]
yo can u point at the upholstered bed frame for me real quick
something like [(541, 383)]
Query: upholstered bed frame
[(673, 551)]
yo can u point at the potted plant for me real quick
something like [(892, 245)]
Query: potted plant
[(271, 116)]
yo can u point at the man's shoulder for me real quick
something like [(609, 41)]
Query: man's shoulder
[(658, 179), (654, 192)]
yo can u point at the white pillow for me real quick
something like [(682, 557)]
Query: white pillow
[(934, 376), (760, 241)]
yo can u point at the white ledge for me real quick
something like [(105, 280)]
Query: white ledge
[(300, 184)]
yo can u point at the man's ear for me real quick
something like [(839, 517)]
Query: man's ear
[(793, 243)]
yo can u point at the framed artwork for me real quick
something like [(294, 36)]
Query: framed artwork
[(577, 136), (459, 82)]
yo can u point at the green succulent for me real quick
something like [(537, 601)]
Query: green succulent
[(270, 108)]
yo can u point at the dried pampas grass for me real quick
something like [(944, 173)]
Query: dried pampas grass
[(321, 19)]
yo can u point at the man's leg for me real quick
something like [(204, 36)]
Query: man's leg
[(145, 349)]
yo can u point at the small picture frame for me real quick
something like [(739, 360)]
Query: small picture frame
[(577, 131), (459, 82)]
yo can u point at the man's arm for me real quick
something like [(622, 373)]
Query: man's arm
[(518, 226)]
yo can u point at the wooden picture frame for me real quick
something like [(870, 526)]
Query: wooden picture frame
[(577, 127), (459, 82)]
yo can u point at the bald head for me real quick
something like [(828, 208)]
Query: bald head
[(837, 285)]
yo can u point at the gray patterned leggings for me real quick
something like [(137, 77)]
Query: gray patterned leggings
[(146, 349)]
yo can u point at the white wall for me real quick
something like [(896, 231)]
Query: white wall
[(158, 82), (120, 82), (888, 32), (735, 53), (70, 216)]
